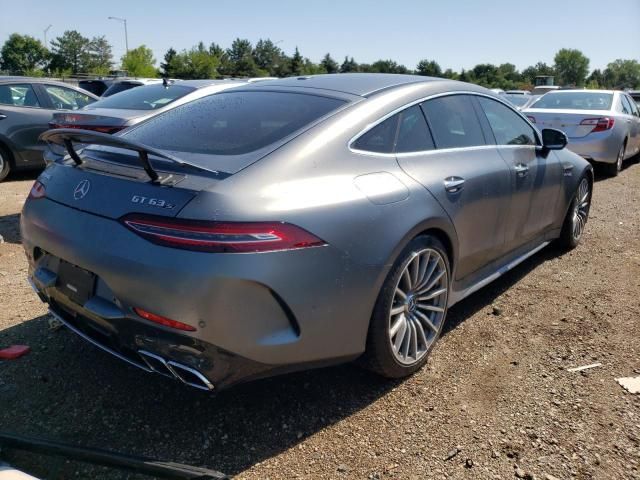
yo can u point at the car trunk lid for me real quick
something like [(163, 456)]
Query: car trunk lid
[(99, 120), (574, 123)]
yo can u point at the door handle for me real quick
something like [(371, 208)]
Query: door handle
[(453, 184), (2, 116), (522, 170)]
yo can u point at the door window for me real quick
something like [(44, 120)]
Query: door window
[(19, 95), (626, 105), (66, 98), (507, 126), (413, 132), (453, 122)]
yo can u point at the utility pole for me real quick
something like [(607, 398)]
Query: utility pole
[(126, 37), (45, 35)]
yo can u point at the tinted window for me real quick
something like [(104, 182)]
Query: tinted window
[(634, 107), (453, 122), (66, 98), (97, 87), (507, 126), (575, 101), (381, 138), (413, 132), (233, 123), (150, 97), (19, 94), (120, 87)]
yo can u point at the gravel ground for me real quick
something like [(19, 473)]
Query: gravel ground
[(495, 400)]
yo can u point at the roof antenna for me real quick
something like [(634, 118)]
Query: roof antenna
[(165, 82)]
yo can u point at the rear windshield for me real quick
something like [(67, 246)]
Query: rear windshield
[(518, 100), (575, 101), (120, 87), (233, 123), (150, 97)]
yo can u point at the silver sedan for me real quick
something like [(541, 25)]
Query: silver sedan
[(603, 126)]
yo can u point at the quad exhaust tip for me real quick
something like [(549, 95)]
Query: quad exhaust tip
[(187, 375)]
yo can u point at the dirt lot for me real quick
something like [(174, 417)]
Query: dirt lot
[(495, 401)]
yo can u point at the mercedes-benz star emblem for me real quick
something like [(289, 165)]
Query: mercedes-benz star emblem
[(81, 190)]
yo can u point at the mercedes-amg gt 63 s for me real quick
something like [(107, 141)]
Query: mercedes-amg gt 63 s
[(295, 223)]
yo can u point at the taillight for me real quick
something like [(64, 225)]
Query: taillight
[(221, 237), (95, 128), (599, 124), (531, 118), (167, 322), (37, 191)]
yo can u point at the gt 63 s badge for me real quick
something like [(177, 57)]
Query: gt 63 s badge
[(152, 202)]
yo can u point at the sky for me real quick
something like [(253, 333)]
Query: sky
[(456, 33)]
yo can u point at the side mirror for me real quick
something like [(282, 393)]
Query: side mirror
[(553, 139)]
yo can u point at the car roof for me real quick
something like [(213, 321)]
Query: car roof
[(208, 82), (361, 84), (583, 90)]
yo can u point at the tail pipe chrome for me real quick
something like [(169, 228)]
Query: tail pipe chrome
[(169, 368)]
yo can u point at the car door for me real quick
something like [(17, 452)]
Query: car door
[(465, 175), (632, 119), (22, 120), (536, 176)]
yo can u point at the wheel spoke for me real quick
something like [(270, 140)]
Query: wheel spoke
[(433, 281), (415, 265), (396, 326), (401, 293), (406, 279), (431, 308), (397, 310), (435, 293), (424, 263), (414, 340), (401, 334), (406, 344), (421, 334), (425, 320)]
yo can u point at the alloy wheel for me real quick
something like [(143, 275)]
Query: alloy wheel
[(418, 307), (620, 158), (581, 210)]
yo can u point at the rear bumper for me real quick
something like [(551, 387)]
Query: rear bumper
[(597, 147), (254, 314)]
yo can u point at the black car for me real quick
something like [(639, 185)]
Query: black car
[(97, 86), (26, 107), (122, 85)]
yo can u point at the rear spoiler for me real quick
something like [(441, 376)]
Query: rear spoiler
[(66, 137)]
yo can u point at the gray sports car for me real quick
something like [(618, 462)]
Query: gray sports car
[(295, 223)]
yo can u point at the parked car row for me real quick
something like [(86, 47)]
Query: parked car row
[(288, 224)]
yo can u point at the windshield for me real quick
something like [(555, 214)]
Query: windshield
[(233, 123), (150, 97), (575, 101), (518, 100)]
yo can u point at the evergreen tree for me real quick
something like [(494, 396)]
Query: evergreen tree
[(329, 64)]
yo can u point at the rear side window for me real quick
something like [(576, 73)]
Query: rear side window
[(19, 95), (507, 126), (413, 132), (66, 98), (150, 97), (381, 138), (626, 105), (453, 122), (233, 123)]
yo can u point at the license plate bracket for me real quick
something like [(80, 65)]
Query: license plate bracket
[(76, 283)]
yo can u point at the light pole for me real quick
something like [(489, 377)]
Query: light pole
[(45, 35), (126, 38)]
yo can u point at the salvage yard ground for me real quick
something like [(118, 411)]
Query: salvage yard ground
[(495, 400)]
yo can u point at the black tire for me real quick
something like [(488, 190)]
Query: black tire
[(5, 162), (568, 239), (379, 355), (613, 169)]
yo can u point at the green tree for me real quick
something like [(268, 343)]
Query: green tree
[(349, 65), (571, 66), (596, 79), (23, 55), (167, 68), (269, 58), (296, 64), (329, 64), (139, 62), (71, 52), (529, 74), (241, 63), (450, 74), (100, 57), (430, 68), (623, 74), (198, 62), (388, 66), (508, 76)]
